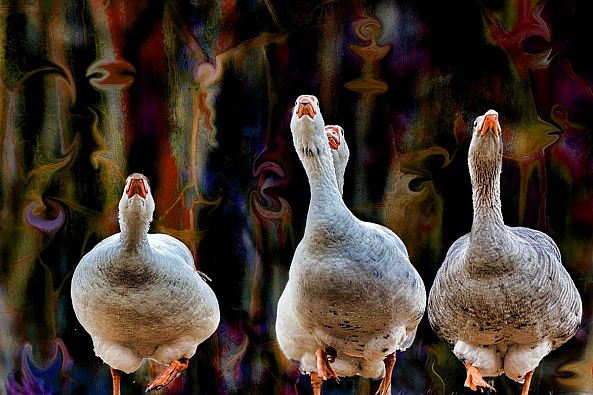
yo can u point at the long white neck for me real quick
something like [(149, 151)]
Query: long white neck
[(340, 170), (134, 231), (325, 193), (326, 208)]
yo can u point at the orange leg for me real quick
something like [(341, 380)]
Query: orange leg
[(385, 387), (527, 382), (475, 381), (116, 378), (316, 382), (324, 368), (174, 370)]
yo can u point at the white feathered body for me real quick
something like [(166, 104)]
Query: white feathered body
[(351, 284), (353, 289), (143, 302)]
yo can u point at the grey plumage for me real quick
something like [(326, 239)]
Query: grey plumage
[(502, 297), (351, 285), (139, 296)]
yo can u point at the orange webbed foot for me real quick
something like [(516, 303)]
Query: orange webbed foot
[(475, 381), (173, 370)]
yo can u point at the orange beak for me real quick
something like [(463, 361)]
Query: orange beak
[(136, 186), (490, 123), (306, 109), (333, 136)]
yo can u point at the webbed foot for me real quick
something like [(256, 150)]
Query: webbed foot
[(173, 370)]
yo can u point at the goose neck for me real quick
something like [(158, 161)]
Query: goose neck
[(322, 180), (494, 253), (485, 180), (134, 233), (487, 217), (326, 208), (488, 223), (491, 246)]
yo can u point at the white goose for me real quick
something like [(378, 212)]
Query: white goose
[(139, 295), (502, 297), (295, 341), (352, 298)]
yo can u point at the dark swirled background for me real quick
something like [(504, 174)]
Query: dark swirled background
[(197, 95)]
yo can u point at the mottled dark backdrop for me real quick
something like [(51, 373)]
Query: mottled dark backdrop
[(197, 95)]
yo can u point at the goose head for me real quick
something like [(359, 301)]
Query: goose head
[(339, 150), (136, 203), (307, 125), (485, 149)]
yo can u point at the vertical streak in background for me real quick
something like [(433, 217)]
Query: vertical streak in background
[(29, 222), (368, 86), (32, 214), (531, 136), (330, 58), (271, 214), (7, 341), (111, 76), (192, 132)]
